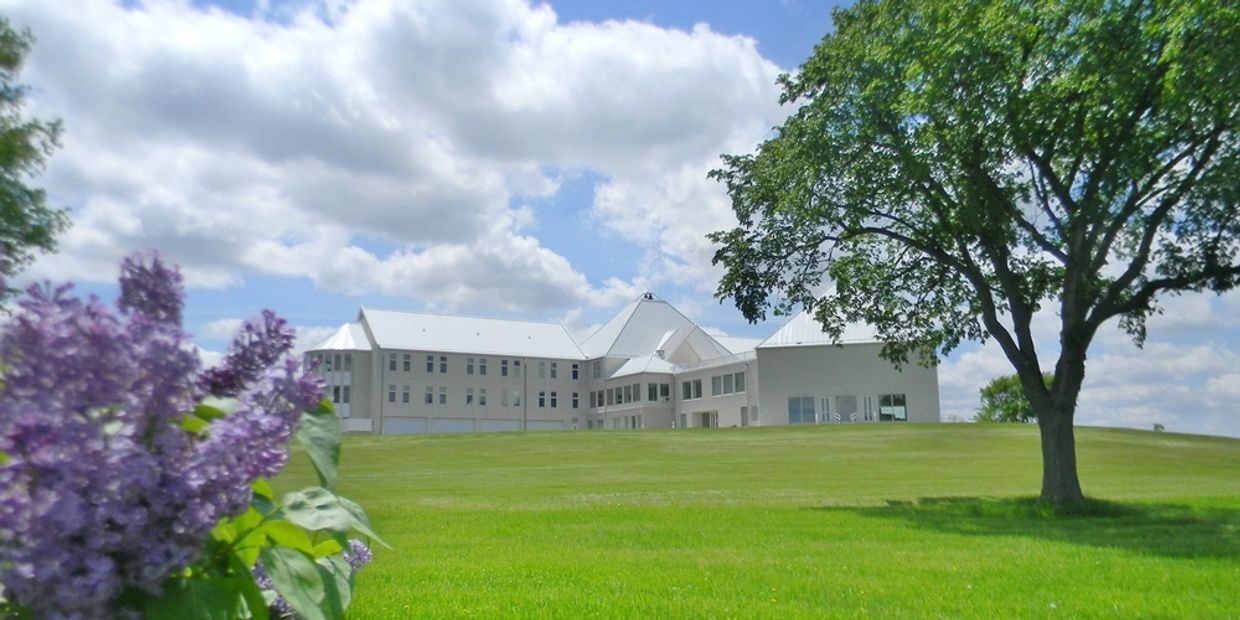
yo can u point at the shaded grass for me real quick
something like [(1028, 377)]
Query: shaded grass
[(853, 521)]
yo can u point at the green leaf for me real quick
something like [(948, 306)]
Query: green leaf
[(218, 407), (210, 413), (359, 520), (336, 570), (315, 509), (297, 578), (318, 432), (285, 534), (263, 498), (194, 425), (251, 594), (209, 598), (327, 547)]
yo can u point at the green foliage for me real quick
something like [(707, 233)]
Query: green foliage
[(829, 521), (952, 167), (1003, 400), (310, 575), (26, 222)]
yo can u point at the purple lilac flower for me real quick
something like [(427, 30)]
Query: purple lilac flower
[(358, 554), (260, 344), (102, 490)]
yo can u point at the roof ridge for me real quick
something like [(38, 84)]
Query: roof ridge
[(467, 316)]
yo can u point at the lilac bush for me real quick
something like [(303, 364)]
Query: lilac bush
[(104, 490)]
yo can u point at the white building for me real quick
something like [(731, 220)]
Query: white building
[(648, 367)]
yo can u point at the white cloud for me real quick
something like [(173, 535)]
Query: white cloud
[(222, 329), (273, 145)]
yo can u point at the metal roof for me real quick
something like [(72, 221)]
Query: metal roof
[(736, 344), (637, 330), (350, 337), (803, 330), (639, 365), (458, 334)]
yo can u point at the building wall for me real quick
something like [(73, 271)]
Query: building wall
[(726, 409), (640, 411), (827, 373)]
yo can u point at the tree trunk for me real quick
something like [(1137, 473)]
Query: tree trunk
[(1060, 485)]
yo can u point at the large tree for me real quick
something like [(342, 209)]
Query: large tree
[(26, 222), (955, 166)]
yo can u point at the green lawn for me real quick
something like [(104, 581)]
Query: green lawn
[(848, 521)]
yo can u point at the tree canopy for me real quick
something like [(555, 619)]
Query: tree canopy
[(1002, 400), (954, 166), (26, 222)]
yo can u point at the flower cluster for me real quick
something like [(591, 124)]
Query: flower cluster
[(357, 556), (102, 491)]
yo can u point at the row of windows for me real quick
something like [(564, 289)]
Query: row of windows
[(480, 365), (430, 397), (328, 362), (629, 394), (891, 408), (727, 384)]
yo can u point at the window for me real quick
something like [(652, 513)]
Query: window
[(327, 363), (469, 365), (348, 362), (482, 366), (335, 393), (516, 398), (430, 395), (716, 385), (346, 395), (482, 397), (637, 392), (729, 385), (391, 393), (542, 399), (516, 368), (553, 400), (336, 364), (628, 394), (408, 362), (892, 408), (686, 390), (404, 394), (542, 370), (574, 372), (740, 382), (443, 364), (553, 370), (503, 368), (801, 410), (469, 396), (574, 400), (652, 392), (665, 390), (443, 395), (430, 363), (391, 361), (610, 397), (596, 369)]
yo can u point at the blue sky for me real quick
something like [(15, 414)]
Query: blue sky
[(477, 157)]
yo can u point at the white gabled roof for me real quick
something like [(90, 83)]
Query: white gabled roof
[(639, 365), (803, 330), (736, 344), (637, 330), (350, 337), (458, 334)]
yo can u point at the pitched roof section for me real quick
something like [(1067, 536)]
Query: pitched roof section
[(736, 344), (350, 337), (430, 332), (636, 330), (803, 330), (639, 365)]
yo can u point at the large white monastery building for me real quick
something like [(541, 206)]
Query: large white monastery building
[(648, 367)]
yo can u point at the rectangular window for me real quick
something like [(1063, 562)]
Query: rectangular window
[(686, 390), (665, 391), (697, 388), (516, 398), (346, 395), (553, 399), (542, 370), (628, 394), (482, 397), (574, 372), (348, 362), (469, 365), (336, 365), (392, 361), (327, 363), (503, 368), (335, 393), (574, 400), (637, 392), (443, 395), (801, 410), (430, 363), (610, 397), (728, 385), (716, 385), (443, 364), (553, 376), (404, 394), (430, 395), (391, 393), (740, 382), (482, 366), (596, 369), (469, 396), (892, 408), (542, 399), (516, 368), (407, 362), (652, 392)]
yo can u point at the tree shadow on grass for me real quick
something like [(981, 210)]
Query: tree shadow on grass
[(1158, 529)]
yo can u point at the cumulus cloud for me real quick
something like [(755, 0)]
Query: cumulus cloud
[(273, 144)]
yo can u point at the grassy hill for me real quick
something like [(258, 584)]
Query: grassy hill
[(846, 521)]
